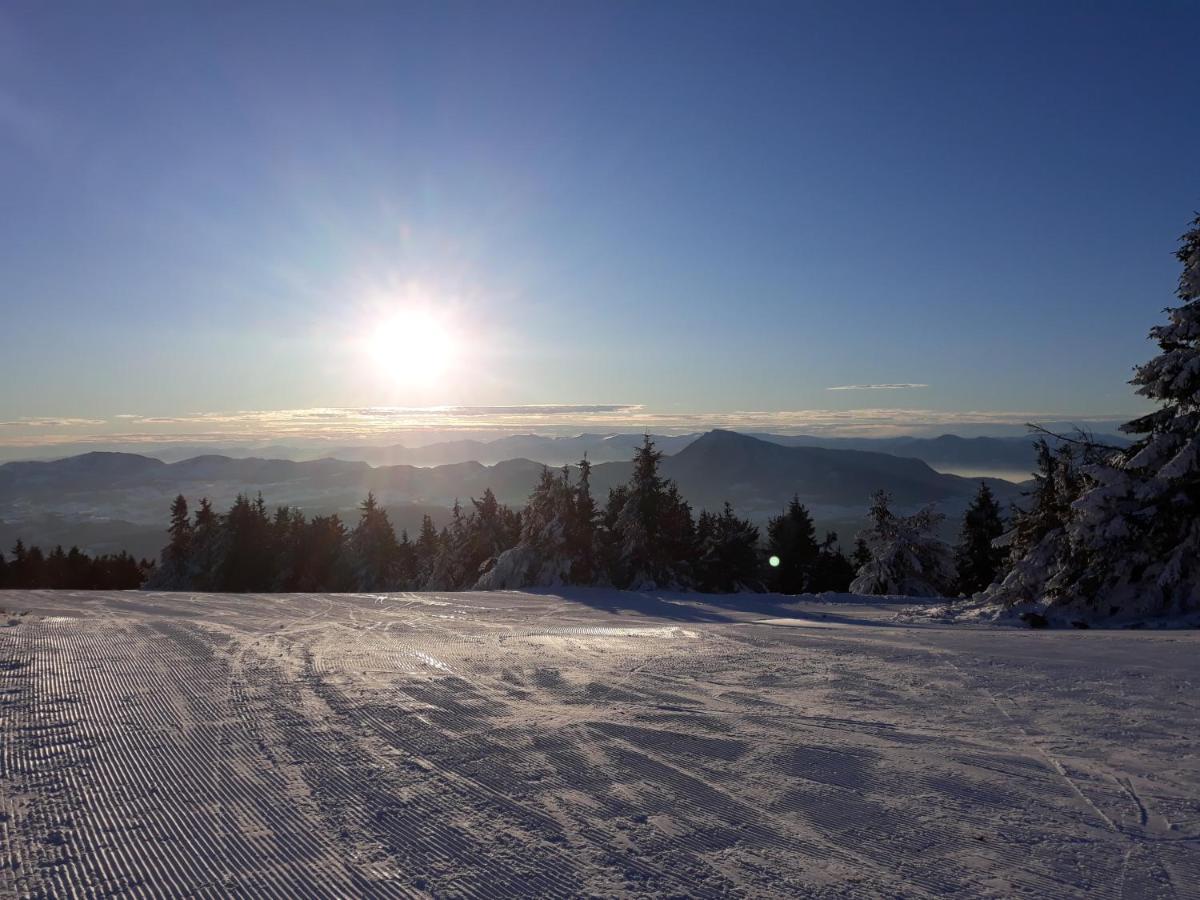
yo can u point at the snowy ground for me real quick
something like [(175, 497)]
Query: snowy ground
[(608, 744)]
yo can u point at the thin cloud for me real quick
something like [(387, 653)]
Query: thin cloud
[(875, 387), (408, 424), (44, 422)]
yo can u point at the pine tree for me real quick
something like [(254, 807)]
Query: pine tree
[(1132, 541), (18, 569), (542, 557), (56, 569), (728, 554), (907, 558), (427, 546), (833, 571), (324, 561), (1038, 539), (977, 557), (374, 548), (792, 539), (180, 530), (78, 567), (861, 555), (288, 533), (490, 530), (652, 536), (581, 529), (208, 549), (174, 573), (448, 572), (35, 567), (247, 564), (406, 563)]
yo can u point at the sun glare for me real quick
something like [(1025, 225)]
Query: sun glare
[(412, 348)]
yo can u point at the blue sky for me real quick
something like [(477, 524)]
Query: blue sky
[(694, 208)]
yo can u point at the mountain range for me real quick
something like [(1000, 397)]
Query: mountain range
[(757, 476)]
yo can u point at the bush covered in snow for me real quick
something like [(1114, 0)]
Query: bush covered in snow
[(906, 557)]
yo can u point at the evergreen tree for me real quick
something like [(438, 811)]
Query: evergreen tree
[(374, 548), (977, 558), (288, 537), (175, 573), (78, 569), (18, 569), (542, 557), (1132, 541), (792, 538), (406, 563), (35, 567), (1038, 537), (861, 555), (652, 536), (728, 555), (324, 561), (608, 539), (427, 547), (581, 529), (488, 531), (56, 569), (180, 530), (832, 571), (246, 564), (208, 549), (906, 556), (448, 572)]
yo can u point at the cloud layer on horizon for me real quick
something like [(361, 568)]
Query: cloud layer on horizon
[(876, 387), (398, 424)]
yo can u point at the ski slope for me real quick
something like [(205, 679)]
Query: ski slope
[(600, 743)]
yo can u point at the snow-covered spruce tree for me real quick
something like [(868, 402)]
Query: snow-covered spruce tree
[(490, 529), (977, 558), (543, 556), (907, 558), (1135, 532), (1129, 545), (1037, 542)]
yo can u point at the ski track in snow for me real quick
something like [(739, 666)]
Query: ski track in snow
[(607, 744)]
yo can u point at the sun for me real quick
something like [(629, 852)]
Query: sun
[(413, 347)]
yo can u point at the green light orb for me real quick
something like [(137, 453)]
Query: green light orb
[(774, 561)]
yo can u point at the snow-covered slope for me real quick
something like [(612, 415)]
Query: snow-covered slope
[(595, 743)]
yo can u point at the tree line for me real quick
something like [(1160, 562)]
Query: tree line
[(644, 536), (28, 568)]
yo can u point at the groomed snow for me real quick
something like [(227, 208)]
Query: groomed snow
[(605, 743)]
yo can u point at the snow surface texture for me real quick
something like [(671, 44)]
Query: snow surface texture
[(601, 743)]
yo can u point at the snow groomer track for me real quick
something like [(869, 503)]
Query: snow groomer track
[(606, 744)]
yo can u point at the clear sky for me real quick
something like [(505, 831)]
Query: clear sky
[(696, 208)]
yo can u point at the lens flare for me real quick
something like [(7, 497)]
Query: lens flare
[(774, 562)]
